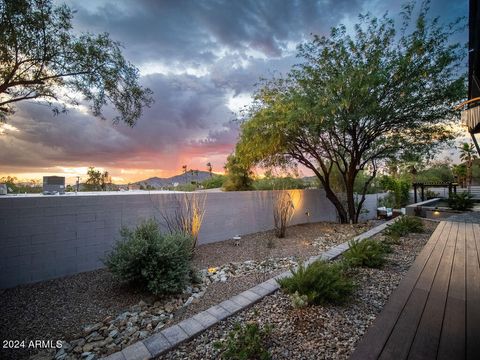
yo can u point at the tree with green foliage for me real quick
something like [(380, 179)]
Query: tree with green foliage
[(239, 175), (357, 100), (460, 172), (399, 189), (97, 180), (216, 181), (279, 183), (436, 173), (16, 186), (468, 154), (42, 58)]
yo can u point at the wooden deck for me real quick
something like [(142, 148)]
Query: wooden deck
[(435, 311)]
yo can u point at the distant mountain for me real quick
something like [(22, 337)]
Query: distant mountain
[(158, 182)]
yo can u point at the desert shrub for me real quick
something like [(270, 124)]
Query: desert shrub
[(321, 282), (245, 342), (392, 240), (404, 226), (283, 210), (461, 202), (299, 301), (368, 253), (275, 183), (216, 181), (430, 194), (186, 217), (158, 262), (184, 187)]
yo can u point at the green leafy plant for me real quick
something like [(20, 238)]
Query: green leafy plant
[(461, 202), (369, 253), (398, 191), (429, 194), (238, 175), (158, 262), (321, 282), (404, 226), (245, 342)]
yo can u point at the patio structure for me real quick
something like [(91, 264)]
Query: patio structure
[(435, 311), (471, 114)]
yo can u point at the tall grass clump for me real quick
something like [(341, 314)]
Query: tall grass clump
[(186, 216), (321, 282), (160, 263), (368, 253), (404, 226), (283, 210)]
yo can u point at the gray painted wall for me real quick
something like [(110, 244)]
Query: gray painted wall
[(45, 237)]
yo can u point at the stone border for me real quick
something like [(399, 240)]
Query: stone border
[(173, 336)]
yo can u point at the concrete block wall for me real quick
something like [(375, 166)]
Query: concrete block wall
[(45, 237)]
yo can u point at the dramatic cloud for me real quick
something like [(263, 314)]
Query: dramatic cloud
[(201, 58)]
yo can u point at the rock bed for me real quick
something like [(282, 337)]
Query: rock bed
[(141, 320), (55, 309), (316, 332)]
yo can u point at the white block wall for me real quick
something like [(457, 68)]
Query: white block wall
[(52, 236)]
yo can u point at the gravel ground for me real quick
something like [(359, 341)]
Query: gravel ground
[(316, 332), (300, 241), (471, 217), (57, 309)]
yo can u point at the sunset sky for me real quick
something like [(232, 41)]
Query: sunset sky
[(201, 59)]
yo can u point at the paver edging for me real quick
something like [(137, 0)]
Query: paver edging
[(159, 343)]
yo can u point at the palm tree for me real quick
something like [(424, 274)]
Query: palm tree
[(468, 155), (460, 172), (209, 168), (184, 168)]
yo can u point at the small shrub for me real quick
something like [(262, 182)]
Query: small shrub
[(404, 226), (245, 342), (392, 240), (461, 202), (158, 262), (321, 282), (369, 253), (429, 194), (299, 301)]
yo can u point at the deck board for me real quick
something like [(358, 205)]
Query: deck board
[(452, 342), (473, 292), (427, 336), (435, 311), (380, 330)]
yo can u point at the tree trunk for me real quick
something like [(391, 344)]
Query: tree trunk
[(352, 211), (342, 214)]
